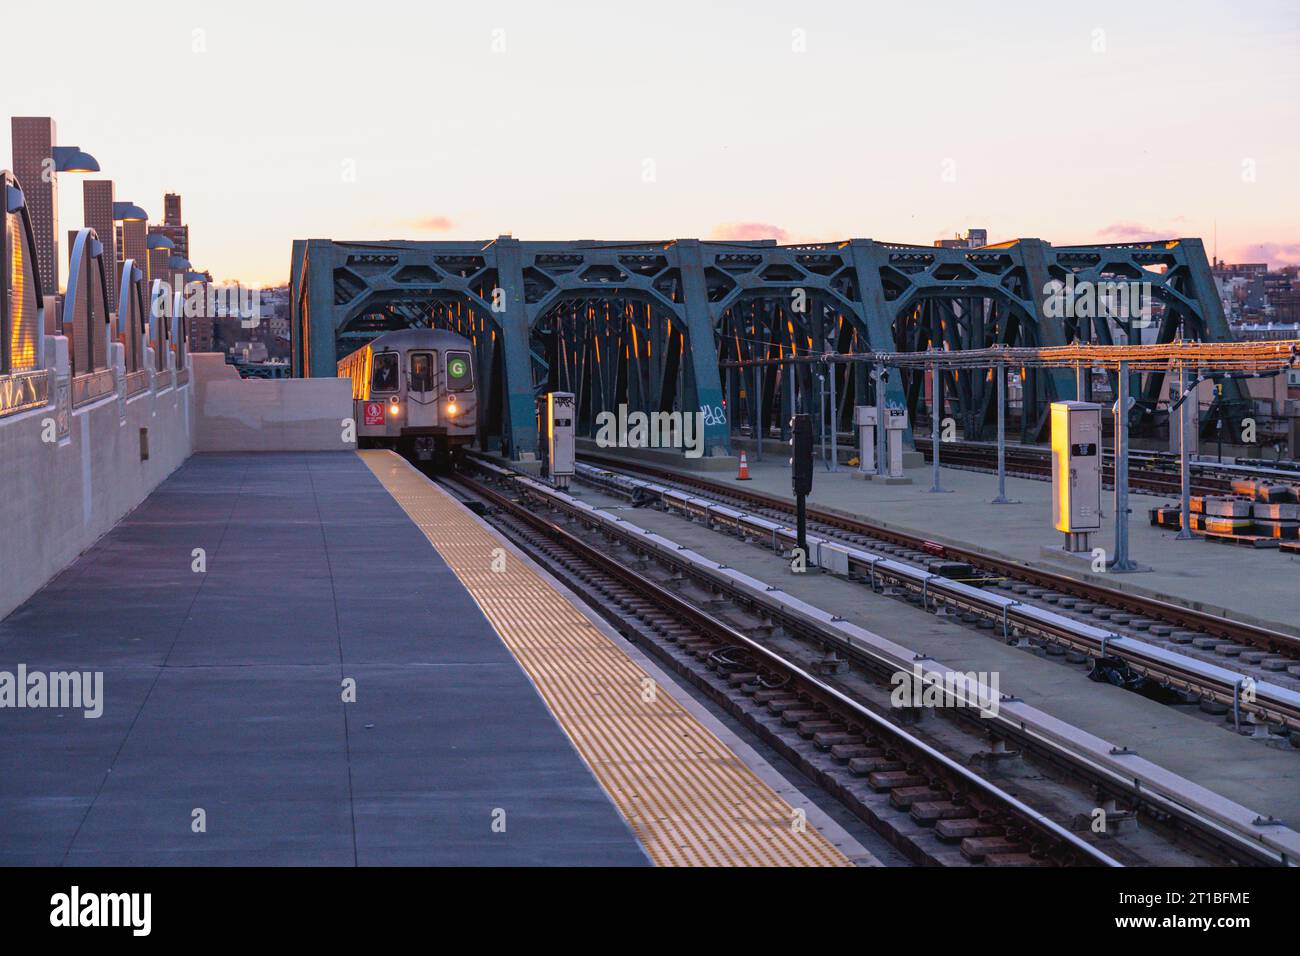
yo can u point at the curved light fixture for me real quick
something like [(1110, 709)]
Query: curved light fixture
[(73, 159), (14, 199), (129, 212), (157, 240), (177, 262), (195, 277)]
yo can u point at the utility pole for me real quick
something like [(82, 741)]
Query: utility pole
[(801, 472)]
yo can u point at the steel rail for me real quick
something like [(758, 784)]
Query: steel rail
[(1269, 701), (1264, 638)]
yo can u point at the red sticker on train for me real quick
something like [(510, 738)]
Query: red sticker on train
[(374, 413)]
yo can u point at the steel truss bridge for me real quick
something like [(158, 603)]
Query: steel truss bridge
[(661, 326)]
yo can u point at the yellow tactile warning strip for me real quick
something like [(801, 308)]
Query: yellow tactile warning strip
[(688, 797)]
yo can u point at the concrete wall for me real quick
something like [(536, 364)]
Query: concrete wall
[(67, 475), (287, 414)]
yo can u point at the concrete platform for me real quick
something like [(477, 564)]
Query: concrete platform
[(1258, 587), (694, 794), (222, 693)]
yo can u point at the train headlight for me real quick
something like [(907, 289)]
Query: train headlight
[(451, 408), (394, 409)]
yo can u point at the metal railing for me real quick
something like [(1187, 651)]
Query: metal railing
[(92, 386), (23, 390)]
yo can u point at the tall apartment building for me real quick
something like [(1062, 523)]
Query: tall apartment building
[(97, 201), (33, 139), (158, 263), (173, 227), (179, 234), (135, 238)]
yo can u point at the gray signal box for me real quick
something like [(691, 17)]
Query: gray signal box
[(557, 414), (864, 417), (1076, 471), (895, 425)]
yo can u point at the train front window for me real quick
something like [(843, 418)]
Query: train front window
[(383, 377), (460, 373), (421, 372)]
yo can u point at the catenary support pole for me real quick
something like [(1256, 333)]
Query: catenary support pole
[(1184, 458), (1121, 562), (936, 413), (878, 373), (1001, 371), (835, 438)]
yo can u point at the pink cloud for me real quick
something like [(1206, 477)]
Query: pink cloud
[(749, 230), (1276, 254), (1133, 231), (432, 224)]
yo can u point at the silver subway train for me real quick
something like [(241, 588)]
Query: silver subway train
[(414, 391)]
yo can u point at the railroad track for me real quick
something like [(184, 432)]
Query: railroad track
[(785, 701), (988, 568), (1152, 472)]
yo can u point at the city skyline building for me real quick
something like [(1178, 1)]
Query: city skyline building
[(173, 225), (98, 196), (157, 265), (135, 238), (33, 164), (975, 238)]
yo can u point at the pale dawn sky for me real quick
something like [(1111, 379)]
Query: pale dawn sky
[(616, 120)]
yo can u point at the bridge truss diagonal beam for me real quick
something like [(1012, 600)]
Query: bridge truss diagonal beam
[(648, 324)]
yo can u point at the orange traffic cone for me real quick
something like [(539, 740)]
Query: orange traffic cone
[(744, 468)]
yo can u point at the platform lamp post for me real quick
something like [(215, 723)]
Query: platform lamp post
[(128, 212), (130, 216), (68, 159), (73, 159), (157, 242), (179, 267)]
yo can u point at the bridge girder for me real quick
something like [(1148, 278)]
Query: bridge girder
[(542, 313)]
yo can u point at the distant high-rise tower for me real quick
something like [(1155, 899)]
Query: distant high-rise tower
[(97, 201), (33, 138), (158, 262), (172, 227), (135, 238)]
